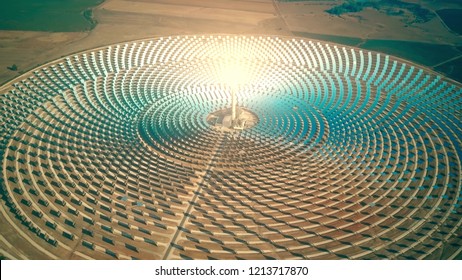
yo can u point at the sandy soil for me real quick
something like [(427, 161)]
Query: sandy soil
[(29, 49)]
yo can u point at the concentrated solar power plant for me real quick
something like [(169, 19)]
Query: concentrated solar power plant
[(232, 147)]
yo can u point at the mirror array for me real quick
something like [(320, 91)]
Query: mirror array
[(108, 154)]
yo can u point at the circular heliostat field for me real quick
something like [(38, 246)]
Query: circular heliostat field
[(127, 151)]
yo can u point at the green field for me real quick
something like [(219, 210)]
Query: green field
[(452, 69), (452, 18), (48, 15), (390, 7)]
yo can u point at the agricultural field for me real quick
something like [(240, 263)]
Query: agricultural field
[(48, 15)]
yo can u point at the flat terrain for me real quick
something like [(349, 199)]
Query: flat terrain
[(428, 43), (452, 18), (48, 15), (123, 20), (323, 175)]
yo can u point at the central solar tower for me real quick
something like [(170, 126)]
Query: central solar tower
[(234, 118)]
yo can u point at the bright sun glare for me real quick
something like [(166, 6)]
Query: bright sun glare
[(234, 73)]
